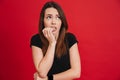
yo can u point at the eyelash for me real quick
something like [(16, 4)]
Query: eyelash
[(59, 17), (48, 17)]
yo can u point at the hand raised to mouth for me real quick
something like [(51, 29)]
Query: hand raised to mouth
[(48, 33)]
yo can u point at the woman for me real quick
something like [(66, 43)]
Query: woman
[(55, 51)]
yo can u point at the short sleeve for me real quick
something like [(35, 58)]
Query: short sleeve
[(35, 41), (71, 39)]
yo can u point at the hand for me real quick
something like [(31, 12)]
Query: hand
[(36, 77), (49, 35)]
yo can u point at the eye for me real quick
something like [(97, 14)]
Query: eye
[(48, 17), (58, 17)]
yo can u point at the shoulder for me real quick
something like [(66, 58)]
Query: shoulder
[(69, 35), (71, 39), (35, 40), (35, 36)]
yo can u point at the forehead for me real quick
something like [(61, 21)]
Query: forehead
[(51, 11)]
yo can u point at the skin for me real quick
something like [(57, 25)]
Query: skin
[(52, 24)]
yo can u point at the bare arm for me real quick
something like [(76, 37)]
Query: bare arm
[(44, 63), (74, 71)]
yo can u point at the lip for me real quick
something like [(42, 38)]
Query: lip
[(54, 29)]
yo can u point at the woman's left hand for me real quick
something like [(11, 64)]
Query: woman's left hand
[(37, 77)]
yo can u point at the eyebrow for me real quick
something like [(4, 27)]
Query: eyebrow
[(48, 14), (51, 14)]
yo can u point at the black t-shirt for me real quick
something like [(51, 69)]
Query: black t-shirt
[(59, 64)]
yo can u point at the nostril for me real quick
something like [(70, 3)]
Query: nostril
[(53, 22)]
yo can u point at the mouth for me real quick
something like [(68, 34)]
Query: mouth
[(54, 29)]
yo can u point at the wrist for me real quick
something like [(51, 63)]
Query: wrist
[(53, 43)]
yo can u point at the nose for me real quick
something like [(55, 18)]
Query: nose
[(53, 21)]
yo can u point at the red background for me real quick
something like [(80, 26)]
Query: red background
[(96, 24)]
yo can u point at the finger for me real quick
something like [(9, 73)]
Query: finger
[(45, 33), (35, 76), (50, 32)]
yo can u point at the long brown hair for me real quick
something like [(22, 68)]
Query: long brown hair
[(61, 46)]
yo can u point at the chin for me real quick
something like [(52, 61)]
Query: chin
[(55, 33)]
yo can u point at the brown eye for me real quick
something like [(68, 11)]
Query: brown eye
[(58, 17), (48, 17)]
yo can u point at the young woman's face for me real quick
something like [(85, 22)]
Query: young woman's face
[(52, 20)]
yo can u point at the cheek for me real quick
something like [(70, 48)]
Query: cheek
[(60, 23), (46, 23), (58, 27)]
